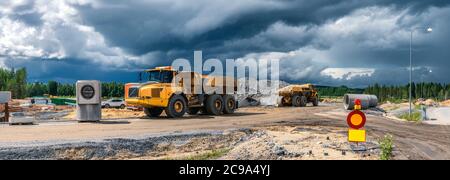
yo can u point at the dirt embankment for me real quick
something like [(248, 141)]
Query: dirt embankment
[(280, 142), (305, 142)]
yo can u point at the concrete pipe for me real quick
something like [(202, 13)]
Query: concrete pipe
[(367, 101)]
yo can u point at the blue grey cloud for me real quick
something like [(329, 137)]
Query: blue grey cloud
[(112, 39)]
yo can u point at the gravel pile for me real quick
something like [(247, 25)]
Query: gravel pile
[(259, 98)]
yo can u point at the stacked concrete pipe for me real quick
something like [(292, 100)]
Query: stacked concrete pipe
[(367, 101)]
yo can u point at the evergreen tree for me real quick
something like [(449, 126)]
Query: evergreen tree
[(53, 88)]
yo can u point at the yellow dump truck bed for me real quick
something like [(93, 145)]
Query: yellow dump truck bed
[(295, 89)]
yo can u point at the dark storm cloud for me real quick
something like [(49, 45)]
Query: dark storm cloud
[(101, 39), (143, 26), (69, 71)]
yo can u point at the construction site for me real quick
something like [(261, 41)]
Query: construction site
[(292, 124), (225, 80)]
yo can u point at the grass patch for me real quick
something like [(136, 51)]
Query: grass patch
[(214, 154), (386, 146), (415, 116), (394, 100), (418, 107)]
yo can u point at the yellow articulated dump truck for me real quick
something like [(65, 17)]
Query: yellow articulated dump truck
[(180, 92), (299, 95)]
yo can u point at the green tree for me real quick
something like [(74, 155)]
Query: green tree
[(52, 88)]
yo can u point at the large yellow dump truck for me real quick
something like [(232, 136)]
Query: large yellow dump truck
[(299, 95), (178, 92)]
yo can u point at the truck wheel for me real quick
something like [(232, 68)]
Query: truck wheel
[(282, 102), (296, 100), (177, 107), (229, 104), (193, 111), (122, 106), (303, 101), (285, 102), (214, 104), (107, 106), (316, 101), (153, 112)]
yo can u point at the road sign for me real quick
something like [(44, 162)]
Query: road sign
[(356, 120), (357, 135), (5, 96)]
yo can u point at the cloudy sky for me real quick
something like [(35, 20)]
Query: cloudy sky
[(326, 42)]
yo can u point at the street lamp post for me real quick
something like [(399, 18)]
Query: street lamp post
[(429, 30)]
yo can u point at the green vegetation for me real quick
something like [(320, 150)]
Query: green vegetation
[(395, 100), (386, 147), (52, 88), (434, 91), (109, 89), (15, 81), (394, 94), (327, 91), (214, 154), (415, 116)]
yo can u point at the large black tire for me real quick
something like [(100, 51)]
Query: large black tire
[(303, 101), (315, 101), (193, 111), (283, 103), (214, 104), (122, 106), (296, 100), (107, 106), (229, 104), (153, 112), (176, 107)]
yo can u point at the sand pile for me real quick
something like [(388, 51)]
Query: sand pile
[(113, 114), (332, 100), (445, 103), (428, 102)]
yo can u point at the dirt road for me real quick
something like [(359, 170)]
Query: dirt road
[(412, 141)]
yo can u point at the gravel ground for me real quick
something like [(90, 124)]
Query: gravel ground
[(301, 143), (438, 115), (286, 133), (276, 142), (101, 149)]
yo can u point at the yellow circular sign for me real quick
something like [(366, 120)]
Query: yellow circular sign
[(356, 119)]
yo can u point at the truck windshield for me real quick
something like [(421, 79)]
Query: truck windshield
[(160, 76)]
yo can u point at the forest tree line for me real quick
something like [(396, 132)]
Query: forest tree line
[(436, 91), (109, 89), (430, 90), (337, 91), (16, 82)]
